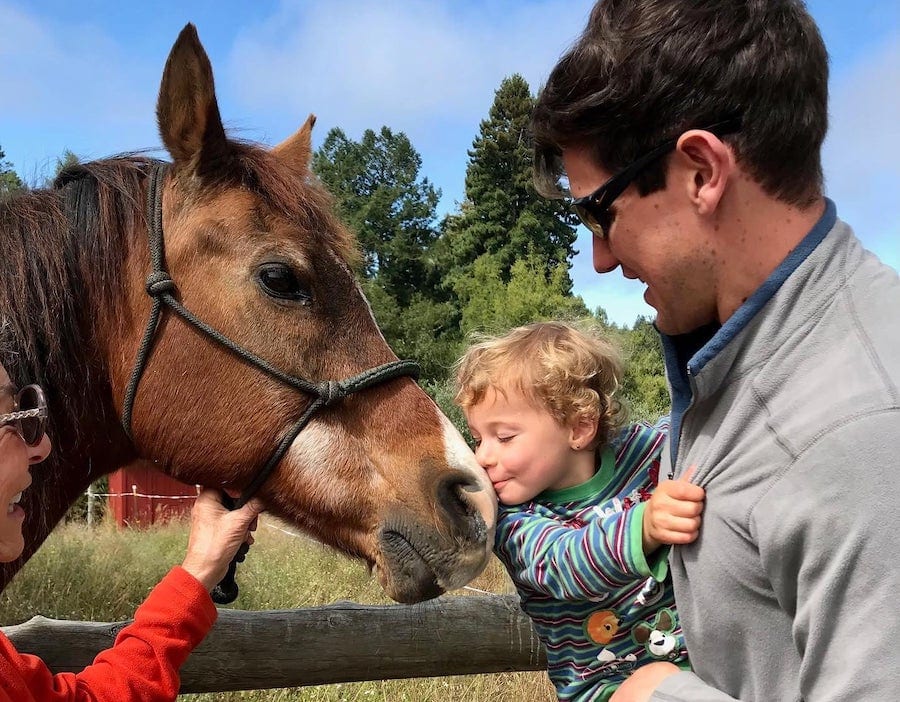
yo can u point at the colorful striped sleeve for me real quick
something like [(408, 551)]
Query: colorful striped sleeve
[(572, 563)]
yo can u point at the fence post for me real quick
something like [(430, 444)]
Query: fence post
[(90, 505)]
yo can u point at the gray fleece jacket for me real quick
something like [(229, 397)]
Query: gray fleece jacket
[(791, 414)]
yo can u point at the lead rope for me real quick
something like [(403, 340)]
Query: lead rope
[(160, 287)]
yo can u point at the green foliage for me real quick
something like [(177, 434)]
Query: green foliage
[(424, 330), (442, 392), (9, 180), (502, 214), (67, 160), (533, 292), (644, 384), (502, 260), (389, 207)]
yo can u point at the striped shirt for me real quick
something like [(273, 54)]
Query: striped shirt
[(576, 558)]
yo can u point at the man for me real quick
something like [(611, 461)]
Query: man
[(690, 134)]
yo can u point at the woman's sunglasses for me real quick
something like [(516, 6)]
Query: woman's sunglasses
[(30, 416)]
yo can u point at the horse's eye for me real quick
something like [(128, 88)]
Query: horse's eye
[(279, 281)]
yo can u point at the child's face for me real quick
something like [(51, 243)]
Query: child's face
[(522, 447)]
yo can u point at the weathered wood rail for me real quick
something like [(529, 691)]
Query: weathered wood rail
[(341, 642)]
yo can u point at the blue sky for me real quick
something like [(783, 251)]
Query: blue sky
[(84, 76)]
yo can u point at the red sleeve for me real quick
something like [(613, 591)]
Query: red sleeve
[(142, 665)]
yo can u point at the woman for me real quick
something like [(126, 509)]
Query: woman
[(144, 660)]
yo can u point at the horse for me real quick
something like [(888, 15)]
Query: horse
[(249, 248)]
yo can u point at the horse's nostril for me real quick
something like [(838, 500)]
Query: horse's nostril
[(452, 495)]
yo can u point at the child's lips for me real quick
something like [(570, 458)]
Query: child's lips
[(498, 485)]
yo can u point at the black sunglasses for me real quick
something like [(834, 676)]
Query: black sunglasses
[(593, 209), (30, 416)]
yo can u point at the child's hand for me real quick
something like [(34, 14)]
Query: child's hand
[(672, 514)]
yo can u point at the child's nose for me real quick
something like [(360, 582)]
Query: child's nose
[(484, 455)]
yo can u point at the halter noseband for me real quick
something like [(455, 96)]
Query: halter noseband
[(161, 288)]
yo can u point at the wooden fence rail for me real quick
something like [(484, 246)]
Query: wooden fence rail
[(342, 642)]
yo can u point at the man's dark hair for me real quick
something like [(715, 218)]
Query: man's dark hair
[(644, 71)]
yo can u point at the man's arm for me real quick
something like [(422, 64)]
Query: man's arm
[(827, 535)]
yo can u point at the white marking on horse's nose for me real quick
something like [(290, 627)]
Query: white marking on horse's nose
[(460, 456)]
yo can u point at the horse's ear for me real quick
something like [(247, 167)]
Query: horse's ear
[(187, 111), (295, 151)]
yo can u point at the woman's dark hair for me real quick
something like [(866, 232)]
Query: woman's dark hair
[(644, 71)]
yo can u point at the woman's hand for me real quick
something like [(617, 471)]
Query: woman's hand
[(216, 535)]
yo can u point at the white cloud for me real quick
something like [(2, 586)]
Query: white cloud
[(413, 66), (74, 73)]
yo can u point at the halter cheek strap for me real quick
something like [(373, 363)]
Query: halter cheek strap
[(161, 289)]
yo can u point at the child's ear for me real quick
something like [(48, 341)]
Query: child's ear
[(583, 431)]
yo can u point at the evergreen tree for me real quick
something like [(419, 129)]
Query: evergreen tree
[(68, 159), (644, 385), (502, 214), (494, 305), (382, 198), (9, 180)]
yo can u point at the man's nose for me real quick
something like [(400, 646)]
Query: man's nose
[(604, 261)]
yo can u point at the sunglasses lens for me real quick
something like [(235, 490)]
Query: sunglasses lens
[(32, 428), (597, 222)]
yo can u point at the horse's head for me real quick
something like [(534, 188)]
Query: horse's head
[(256, 253)]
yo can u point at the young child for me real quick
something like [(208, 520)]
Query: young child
[(582, 518)]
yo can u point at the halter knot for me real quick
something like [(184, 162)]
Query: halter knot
[(159, 283), (331, 391)]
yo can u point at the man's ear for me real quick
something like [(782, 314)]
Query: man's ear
[(707, 163), (583, 431)]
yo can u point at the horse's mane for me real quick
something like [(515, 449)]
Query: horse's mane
[(64, 250), (63, 254)]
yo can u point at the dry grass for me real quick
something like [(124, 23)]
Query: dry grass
[(101, 574)]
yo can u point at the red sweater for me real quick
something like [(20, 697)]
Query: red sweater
[(143, 663)]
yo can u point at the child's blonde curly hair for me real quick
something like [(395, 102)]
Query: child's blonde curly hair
[(571, 369)]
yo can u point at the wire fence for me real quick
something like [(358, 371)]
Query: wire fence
[(93, 496)]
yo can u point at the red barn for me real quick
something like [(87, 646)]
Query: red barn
[(141, 496)]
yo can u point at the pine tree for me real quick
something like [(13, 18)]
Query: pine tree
[(382, 198), (502, 214), (392, 210), (9, 180)]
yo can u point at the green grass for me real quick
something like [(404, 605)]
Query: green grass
[(102, 574)]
